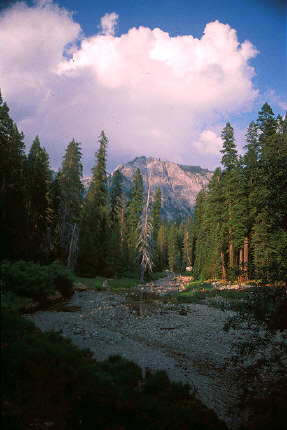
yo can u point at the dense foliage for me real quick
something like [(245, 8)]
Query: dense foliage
[(240, 221), (239, 228)]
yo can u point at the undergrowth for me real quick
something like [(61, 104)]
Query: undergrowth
[(47, 379)]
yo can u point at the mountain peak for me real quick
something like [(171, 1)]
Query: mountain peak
[(179, 184)]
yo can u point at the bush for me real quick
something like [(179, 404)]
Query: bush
[(27, 279), (46, 378)]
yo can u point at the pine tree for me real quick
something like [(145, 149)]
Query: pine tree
[(135, 209), (162, 247), (155, 212), (12, 187), (144, 243), (115, 196), (229, 151), (187, 244), (71, 202), (116, 248), (174, 256), (156, 222), (94, 218), (53, 238), (38, 183)]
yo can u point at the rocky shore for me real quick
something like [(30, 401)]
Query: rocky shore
[(187, 342)]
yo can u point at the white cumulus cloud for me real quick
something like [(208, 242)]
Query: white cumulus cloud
[(108, 23), (152, 93), (208, 143)]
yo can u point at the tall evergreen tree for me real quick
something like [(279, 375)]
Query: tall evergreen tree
[(94, 218), (12, 186), (145, 239), (71, 202), (187, 244), (115, 245), (162, 247), (155, 212), (135, 209), (115, 197), (174, 255), (38, 183), (156, 222), (229, 151)]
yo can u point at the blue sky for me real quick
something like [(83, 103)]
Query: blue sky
[(88, 97)]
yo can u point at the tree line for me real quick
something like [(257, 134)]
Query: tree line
[(47, 217), (238, 227), (240, 220)]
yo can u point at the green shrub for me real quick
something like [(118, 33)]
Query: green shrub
[(27, 279)]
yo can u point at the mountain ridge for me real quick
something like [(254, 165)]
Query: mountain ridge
[(179, 184)]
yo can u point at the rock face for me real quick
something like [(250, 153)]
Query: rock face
[(179, 184)]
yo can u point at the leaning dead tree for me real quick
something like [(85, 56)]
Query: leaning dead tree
[(144, 243)]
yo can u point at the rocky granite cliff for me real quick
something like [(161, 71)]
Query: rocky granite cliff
[(179, 184)]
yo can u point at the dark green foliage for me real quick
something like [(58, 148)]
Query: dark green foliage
[(71, 196), (47, 379), (162, 248), (38, 183), (27, 279), (266, 305), (135, 209), (265, 310), (115, 197), (94, 218), (240, 228), (229, 158), (155, 212), (12, 187), (174, 254)]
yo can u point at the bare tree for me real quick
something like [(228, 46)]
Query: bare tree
[(144, 243)]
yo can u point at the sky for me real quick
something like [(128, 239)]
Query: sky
[(160, 77)]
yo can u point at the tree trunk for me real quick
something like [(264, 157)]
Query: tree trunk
[(223, 265), (142, 272), (231, 255), (71, 246), (246, 258)]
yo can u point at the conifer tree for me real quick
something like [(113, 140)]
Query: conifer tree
[(12, 186), (38, 183), (174, 256), (71, 202), (155, 212), (116, 221), (187, 244), (94, 218), (229, 151), (261, 232), (135, 209), (156, 222), (53, 238), (115, 196), (162, 247), (144, 243)]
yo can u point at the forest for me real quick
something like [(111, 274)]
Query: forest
[(238, 231), (53, 230)]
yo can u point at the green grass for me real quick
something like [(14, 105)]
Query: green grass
[(90, 283), (199, 291), (123, 283)]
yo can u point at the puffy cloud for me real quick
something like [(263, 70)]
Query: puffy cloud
[(108, 23), (208, 143), (153, 94)]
